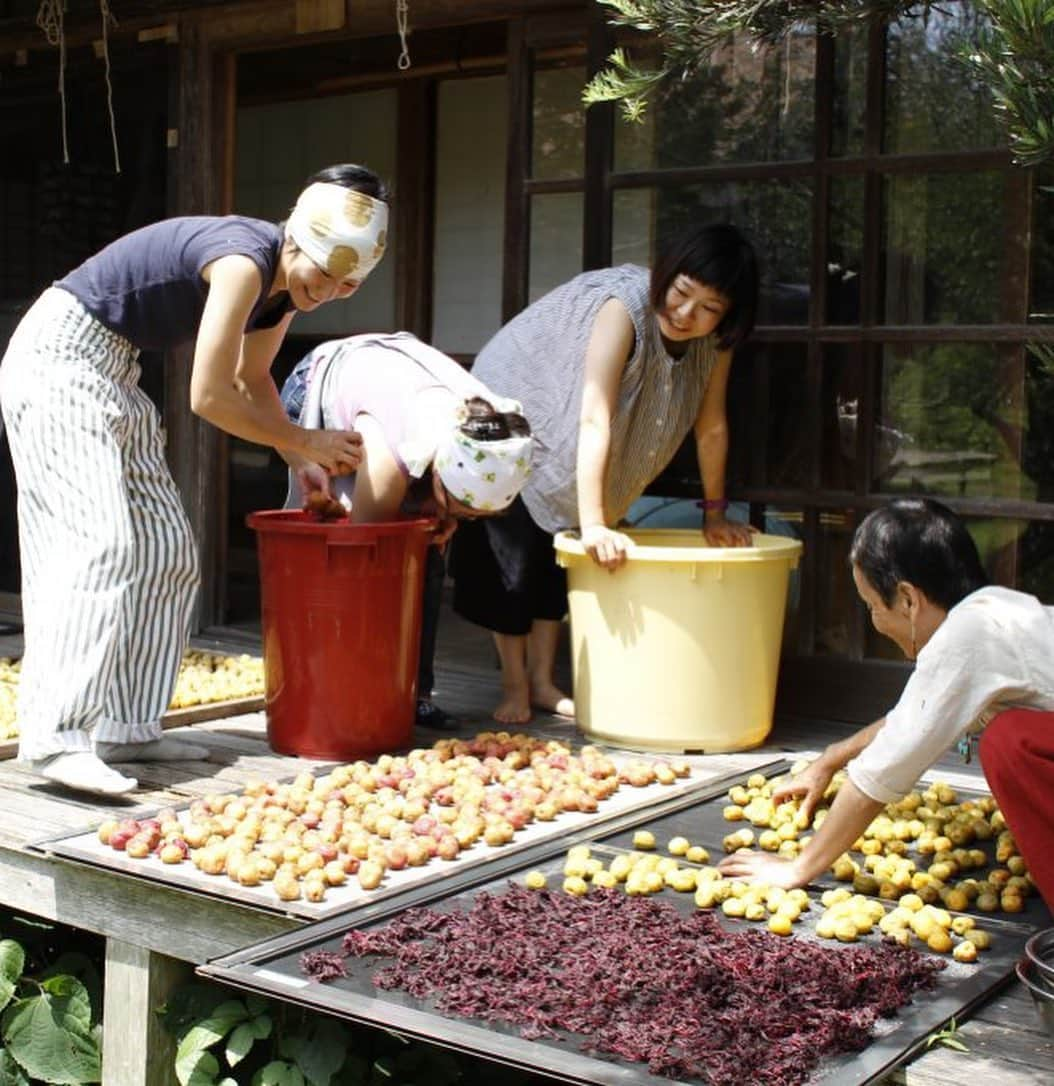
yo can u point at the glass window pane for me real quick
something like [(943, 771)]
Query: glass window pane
[(1041, 308), (312, 134), (556, 241), (469, 213), (834, 589), (850, 91), (954, 418), (775, 215), (942, 236), (1036, 561), (842, 388), (558, 123), (933, 101), (789, 444), (845, 252), (749, 105)]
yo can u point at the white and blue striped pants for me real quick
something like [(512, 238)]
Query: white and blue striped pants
[(109, 566)]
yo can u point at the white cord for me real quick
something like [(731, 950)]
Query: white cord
[(107, 18), (402, 19), (50, 20)]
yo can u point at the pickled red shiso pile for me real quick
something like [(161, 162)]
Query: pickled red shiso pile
[(642, 982)]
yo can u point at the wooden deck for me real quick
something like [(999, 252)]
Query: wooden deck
[(155, 934)]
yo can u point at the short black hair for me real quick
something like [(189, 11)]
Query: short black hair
[(719, 256), (485, 423), (360, 178), (922, 542)]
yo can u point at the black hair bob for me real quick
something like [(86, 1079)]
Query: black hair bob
[(719, 256), (922, 542), (350, 176)]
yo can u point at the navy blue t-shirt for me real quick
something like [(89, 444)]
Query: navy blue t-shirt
[(147, 285)]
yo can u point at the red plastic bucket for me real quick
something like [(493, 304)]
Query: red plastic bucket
[(341, 611)]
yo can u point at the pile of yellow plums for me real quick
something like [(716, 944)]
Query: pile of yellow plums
[(366, 818), (206, 677), (642, 871), (847, 916), (9, 673), (927, 844)]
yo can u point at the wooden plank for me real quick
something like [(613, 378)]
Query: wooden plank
[(995, 1054), (137, 1051)]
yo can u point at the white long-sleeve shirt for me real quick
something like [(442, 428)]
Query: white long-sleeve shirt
[(994, 651)]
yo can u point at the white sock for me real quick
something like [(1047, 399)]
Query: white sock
[(153, 750), (82, 770)]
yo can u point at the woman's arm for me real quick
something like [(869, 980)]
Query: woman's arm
[(812, 782), (609, 348), (849, 816), (711, 450), (231, 384), (380, 485)]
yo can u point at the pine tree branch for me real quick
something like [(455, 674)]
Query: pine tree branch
[(1014, 59)]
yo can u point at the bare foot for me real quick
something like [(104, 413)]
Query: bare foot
[(551, 699), (514, 708)]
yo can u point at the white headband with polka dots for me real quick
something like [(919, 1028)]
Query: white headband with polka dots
[(343, 231)]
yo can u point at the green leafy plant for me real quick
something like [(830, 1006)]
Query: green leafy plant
[(228, 1040), (49, 1024), (949, 1037)]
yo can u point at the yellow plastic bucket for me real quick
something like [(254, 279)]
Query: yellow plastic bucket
[(679, 649)]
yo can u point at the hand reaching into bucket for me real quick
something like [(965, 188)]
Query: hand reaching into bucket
[(338, 451), (727, 533), (605, 546)]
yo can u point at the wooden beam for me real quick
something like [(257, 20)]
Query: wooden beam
[(414, 207), (137, 1051), (517, 206), (600, 127), (201, 106), (313, 16)]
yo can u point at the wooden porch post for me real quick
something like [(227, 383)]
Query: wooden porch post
[(136, 1050)]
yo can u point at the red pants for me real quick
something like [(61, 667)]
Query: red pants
[(1017, 755)]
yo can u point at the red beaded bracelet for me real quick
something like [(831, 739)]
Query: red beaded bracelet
[(713, 503)]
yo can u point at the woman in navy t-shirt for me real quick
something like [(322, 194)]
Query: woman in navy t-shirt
[(109, 568)]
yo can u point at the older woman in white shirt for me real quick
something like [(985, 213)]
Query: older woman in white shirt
[(984, 669)]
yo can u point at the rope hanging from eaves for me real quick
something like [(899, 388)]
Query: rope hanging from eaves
[(51, 20)]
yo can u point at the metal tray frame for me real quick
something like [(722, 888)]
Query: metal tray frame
[(272, 968)]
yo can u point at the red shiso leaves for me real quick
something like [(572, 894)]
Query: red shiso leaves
[(642, 982), (323, 964)]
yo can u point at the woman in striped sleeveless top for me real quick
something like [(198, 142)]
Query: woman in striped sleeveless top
[(613, 370)]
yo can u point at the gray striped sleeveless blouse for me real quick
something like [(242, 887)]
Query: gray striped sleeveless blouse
[(538, 358)]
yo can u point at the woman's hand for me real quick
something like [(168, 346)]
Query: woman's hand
[(605, 546), (444, 530), (762, 867), (811, 783), (726, 533), (338, 451), (312, 478)]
